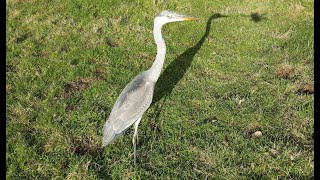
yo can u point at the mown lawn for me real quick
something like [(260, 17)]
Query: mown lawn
[(246, 66)]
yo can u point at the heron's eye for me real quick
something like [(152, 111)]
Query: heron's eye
[(169, 16)]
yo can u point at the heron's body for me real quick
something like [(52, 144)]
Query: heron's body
[(133, 101), (136, 97)]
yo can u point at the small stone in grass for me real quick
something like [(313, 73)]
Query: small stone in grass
[(256, 134), (292, 157), (273, 152)]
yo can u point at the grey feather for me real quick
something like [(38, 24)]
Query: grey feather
[(133, 101)]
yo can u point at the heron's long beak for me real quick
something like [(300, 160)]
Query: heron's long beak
[(190, 18)]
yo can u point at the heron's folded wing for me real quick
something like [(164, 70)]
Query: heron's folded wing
[(135, 104), (133, 101)]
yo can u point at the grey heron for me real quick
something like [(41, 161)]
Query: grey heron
[(136, 97)]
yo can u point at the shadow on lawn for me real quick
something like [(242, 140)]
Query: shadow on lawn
[(256, 16), (176, 70), (178, 67)]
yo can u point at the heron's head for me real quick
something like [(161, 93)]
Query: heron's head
[(169, 16)]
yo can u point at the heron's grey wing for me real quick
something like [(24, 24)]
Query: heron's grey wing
[(133, 101)]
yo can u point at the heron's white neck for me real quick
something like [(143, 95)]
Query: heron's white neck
[(156, 67)]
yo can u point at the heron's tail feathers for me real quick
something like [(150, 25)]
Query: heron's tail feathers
[(104, 144), (108, 135)]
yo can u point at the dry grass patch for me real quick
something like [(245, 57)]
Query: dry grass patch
[(79, 85), (306, 88), (295, 10), (286, 71), (80, 172), (203, 157), (85, 145), (145, 56), (282, 35), (112, 43)]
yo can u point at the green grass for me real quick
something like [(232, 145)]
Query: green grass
[(67, 62)]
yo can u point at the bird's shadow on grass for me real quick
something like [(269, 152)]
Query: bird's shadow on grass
[(256, 16), (178, 67)]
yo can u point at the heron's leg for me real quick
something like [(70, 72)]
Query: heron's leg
[(135, 138)]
